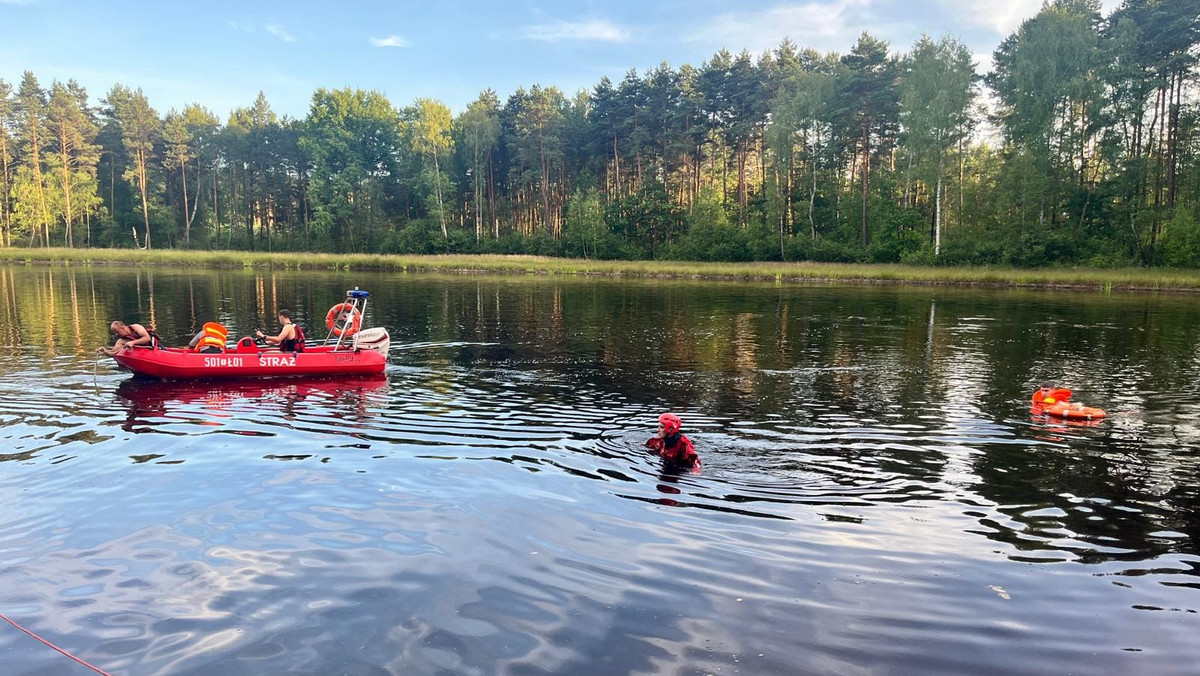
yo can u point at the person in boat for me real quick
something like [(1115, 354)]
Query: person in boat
[(128, 335), (671, 445), (291, 336), (195, 346), (210, 339)]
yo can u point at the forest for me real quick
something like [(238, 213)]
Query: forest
[(1080, 146)]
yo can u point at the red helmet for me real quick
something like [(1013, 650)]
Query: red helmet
[(670, 422)]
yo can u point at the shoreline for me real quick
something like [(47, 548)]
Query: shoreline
[(1090, 279)]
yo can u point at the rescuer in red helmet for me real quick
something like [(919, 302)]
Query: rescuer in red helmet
[(671, 445)]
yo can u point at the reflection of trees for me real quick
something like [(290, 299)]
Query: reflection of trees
[(745, 354), (1089, 486), (1096, 496), (42, 307), (12, 324), (153, 404)]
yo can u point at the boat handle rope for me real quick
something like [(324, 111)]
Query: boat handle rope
[(94, 668)]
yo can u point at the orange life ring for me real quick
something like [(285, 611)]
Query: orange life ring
[(1077, 412), (1063, 409), (335, 319)]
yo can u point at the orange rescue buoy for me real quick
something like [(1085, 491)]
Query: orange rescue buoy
[(1056, 401), (1073, 411), (343, 319)]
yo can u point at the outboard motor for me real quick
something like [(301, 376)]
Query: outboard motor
[(376, 338)]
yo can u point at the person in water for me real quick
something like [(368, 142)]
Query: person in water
[(1056, 401), (290, 338), (1050, 393), (128, 335), (671, 445)]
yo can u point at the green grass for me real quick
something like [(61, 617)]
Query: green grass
[(1104, 279)]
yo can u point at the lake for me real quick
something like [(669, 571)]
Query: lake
[(875, 498)]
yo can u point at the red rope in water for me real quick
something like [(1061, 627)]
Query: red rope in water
[(96, 669)]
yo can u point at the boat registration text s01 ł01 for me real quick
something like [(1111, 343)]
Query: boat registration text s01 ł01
[(263, 360)]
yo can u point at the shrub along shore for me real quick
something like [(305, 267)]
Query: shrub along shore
[(1134, 279)]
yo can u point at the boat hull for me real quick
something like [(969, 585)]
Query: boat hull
[(176, 364)]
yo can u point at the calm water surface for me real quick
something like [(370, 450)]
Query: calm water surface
[(875, 499)]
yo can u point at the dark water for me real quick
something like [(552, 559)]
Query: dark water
[(875, 498)]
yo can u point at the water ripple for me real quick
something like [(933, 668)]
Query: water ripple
[(875, 495)]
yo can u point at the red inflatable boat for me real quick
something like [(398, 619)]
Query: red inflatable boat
[(346, 351), (184, 364)]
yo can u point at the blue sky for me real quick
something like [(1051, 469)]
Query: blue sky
[(221, 53)]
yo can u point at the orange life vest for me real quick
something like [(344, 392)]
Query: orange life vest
[(214, 336), (1045, 397)]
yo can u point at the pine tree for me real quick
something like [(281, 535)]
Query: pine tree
[(6, 125), (479, 130), (140, 128), (72, 136), (870, 97), (31, 108)]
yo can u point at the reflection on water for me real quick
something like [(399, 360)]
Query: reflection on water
[(876, 496), (231, 406)]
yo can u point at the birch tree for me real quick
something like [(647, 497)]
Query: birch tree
[(938, 91), (431, 124)]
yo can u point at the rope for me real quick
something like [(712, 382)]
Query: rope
[(96, 669)]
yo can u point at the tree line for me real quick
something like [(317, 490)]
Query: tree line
[(1089, 153)]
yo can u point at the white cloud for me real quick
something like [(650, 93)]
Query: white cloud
[(1004, 16), (592, 30), (240, 27), (279, 32), (828, 25), (983, 61), (1001, 16), (390, 41)]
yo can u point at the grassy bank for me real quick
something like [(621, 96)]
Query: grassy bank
[(1156, 279)]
